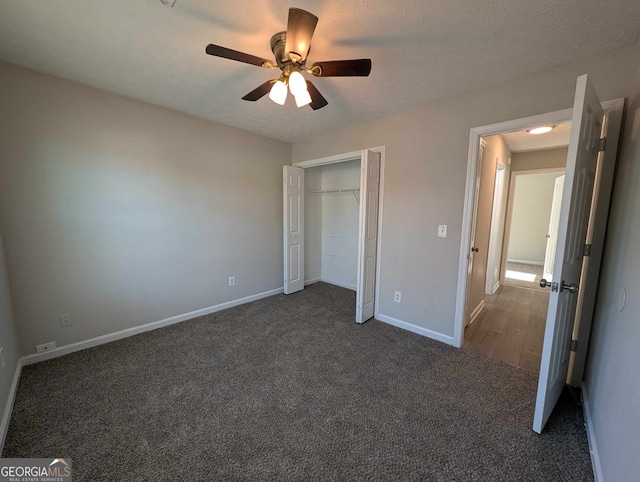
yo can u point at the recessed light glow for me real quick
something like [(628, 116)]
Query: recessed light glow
[(540, 130)]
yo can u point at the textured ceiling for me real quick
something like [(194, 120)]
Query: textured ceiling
[(522, 141), (422, 50)]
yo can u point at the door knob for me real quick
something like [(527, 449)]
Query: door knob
[(475, 250), (572, 288), (544, 283)]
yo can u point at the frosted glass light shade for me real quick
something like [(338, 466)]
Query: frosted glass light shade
[(303, 99), (278, 92), (297, 84)]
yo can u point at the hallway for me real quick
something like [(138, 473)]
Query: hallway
[(510, 327)]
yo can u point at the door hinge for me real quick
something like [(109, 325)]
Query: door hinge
[(574, 345), (602, 144), (587, 250)]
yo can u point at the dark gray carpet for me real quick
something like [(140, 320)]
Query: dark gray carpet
[(290, 388)]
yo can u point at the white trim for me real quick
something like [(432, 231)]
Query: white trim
[(351, 156), (475, 134), (312, 281), (347, 156), (118, 335), (338, 283), (591, 437), (495, 287), (476, 312), (525, 261), (434, 335), (8, 410)]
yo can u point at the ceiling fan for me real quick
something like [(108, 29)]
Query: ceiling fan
[(291, 49)]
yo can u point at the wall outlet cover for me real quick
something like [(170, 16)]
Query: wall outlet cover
[(442, 231), (232, 280), (66, 320), (45, 347), (397, 296)]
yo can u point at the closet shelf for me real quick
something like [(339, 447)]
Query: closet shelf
[(334, 191), (330, 191)]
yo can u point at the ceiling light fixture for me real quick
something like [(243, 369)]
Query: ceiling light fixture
[(303, 99), (298, 87), (540, 130), (278, 92)]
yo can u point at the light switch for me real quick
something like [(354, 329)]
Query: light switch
[(442, 231)]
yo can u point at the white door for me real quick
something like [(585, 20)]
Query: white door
[(586, 132), (472, 267), (293, 213), (368, 236), (554, 224), (492, 274)]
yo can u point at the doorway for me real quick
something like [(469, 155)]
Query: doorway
[(515, 200), (332, 212), (590, 166)]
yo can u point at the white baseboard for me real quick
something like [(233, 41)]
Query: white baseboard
[(338, 283), (312, 281), (118, 335), (415, 329), (476, 312), (6, 416), (495, 287), (526, 261), (591, 436)]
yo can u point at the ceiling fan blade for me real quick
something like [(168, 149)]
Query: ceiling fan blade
[(226, 53), (300, 30), (342, 68), (259, 92), (317, 100)]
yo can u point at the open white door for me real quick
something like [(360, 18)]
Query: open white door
[(293, 214), (368, 236), (472, 267), (584, 145), (552, 234)]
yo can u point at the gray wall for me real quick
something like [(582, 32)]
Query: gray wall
[(123, 213), (546, 159), (613, 380), (426, 159), (8, 340)]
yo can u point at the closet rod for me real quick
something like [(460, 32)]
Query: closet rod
[(329, 191)]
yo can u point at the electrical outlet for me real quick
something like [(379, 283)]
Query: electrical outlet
[(232, 280), (442, 231), (45, 347), (65, 320), (3, 362), (397, 296)]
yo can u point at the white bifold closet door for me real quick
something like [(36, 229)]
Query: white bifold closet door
[(293, 212), (368, 236), (584, 148)]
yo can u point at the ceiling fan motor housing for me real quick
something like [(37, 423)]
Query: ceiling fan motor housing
[(278, 42)]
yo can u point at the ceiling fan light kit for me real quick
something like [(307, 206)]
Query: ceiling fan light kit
[(290, 50)]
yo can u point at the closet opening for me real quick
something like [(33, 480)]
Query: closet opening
[(331, 214)]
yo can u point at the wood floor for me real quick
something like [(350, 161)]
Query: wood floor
[(510, 327)]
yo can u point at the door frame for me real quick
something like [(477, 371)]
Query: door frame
[(352, 156), (613, 110), (509, 214)]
